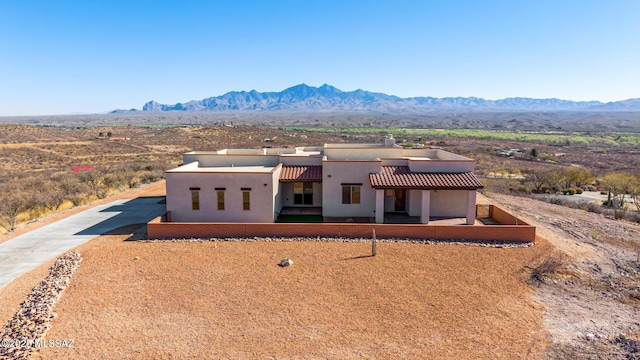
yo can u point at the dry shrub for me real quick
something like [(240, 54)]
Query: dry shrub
[(618, 214), (553, 266)]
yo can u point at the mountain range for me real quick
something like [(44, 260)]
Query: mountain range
[(328, 98)]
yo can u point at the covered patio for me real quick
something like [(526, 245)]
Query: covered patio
[(405, 197)]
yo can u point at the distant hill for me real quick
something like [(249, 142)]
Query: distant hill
[(328, 98)]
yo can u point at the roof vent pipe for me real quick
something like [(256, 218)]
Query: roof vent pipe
[(389, 141)]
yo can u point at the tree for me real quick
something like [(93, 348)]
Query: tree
[(618, 184), (537, 180), (74, 190), (14, 202), (534, 153), (93, 179), (51, 198), (635, 192), (556, 180), (579, 177), (568, 177)]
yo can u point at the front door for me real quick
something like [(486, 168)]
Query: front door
[(401, 197)]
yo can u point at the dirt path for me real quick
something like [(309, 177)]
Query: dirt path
[(593, 301)]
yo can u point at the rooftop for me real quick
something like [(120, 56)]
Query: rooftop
[(301, 173), (403, 177), (194, 167)]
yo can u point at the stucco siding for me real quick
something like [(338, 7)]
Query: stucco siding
[(442, 166), (357, 153), (448, 203), (337, 173), (389, 201), (275, 191), (212, 160), (414, 202), (261, 197), (301, 160), (286, 193)]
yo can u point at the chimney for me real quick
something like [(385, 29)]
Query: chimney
[(389, 141)]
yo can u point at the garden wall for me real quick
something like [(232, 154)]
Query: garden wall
[(159, 229)]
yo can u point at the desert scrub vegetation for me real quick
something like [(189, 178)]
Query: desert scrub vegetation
[(570, 138), (32, 196), (622, 190), (564, 179), (550, 268)]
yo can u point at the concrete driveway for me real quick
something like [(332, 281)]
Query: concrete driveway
[(26, 252)]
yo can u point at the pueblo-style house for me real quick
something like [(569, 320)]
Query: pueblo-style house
[(338, 181)]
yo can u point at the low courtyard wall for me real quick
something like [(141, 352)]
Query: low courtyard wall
[(508, 228)]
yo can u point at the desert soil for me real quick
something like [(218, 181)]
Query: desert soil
[(592, 303), (230, 299)]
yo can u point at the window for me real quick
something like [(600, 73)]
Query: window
[(195, 198), (220, 199), (303, 193), (351, 193), (246, 200)]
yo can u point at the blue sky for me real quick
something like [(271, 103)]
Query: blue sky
[(61, 57)]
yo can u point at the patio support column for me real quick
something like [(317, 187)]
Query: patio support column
[(379, 206), (426, 206), (471, 207)]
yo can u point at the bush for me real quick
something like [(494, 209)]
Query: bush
[(521, 189), (618, 214), (558, 201), (594, 208), (633, 217), (578, 190), (571, 191), (547, 269)]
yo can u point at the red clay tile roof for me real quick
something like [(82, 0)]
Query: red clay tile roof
[(400, 177), (301, 173)]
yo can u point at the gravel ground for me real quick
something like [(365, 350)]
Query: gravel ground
[(25, 332), (230, 299)]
